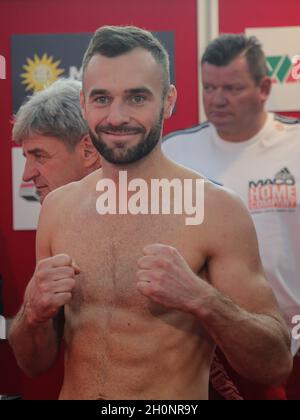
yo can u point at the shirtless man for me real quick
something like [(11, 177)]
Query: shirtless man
[(145, 297)]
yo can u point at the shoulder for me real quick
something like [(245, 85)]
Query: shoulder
[(60, 197), (226, 217), (191, 132), (69, 194), (286, 126), (287, 120)]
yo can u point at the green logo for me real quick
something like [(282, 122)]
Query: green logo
[(282, 69)]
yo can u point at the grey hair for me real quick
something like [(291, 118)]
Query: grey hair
[(54, 111)]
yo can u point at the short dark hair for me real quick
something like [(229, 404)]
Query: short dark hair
[(224, 49), (113, 41)]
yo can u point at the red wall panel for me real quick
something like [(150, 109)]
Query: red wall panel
[(236, 15), (17, 259)]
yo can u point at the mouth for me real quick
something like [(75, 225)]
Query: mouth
[(119, 137), (220, 114), (120, 133), (40, 188)]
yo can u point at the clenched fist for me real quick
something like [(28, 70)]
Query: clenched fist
[(50, 288), (165, 277)]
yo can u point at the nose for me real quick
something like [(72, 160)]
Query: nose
[(219, 98), (118, 114), (30, 171)]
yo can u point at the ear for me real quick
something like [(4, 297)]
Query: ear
[(265, 88), (82, 104), (169, 101), (89, 155)]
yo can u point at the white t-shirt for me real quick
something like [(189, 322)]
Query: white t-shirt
[(265, 172)]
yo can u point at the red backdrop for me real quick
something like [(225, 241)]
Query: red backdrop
[(61, 16)]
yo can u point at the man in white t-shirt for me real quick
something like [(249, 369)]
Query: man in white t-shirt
[(252, 152)]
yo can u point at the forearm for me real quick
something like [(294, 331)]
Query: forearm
[(256, 345), (35, 345)]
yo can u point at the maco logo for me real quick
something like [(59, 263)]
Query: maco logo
[(2, 67)]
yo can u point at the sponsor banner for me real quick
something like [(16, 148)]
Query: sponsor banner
[(26, 206), (282, 49), (38, 60), (277, 194)]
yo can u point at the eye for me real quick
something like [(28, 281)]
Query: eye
[(102, 100), (137, 99), (208, 88), (39, 157), (234, 89)]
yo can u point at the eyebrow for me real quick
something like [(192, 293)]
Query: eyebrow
[(139, 90), (134, 91), (34, 151)]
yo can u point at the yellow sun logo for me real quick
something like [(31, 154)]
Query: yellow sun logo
[(40, 72)]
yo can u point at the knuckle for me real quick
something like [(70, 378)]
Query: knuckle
[(172, 251), (155, 287), (72, 283), (69, 272), (157, 276), (63, 259), (164, 264), (42, 275)]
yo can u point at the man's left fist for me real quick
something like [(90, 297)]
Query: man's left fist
[(165, 277)]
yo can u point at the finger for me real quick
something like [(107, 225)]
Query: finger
[(144, 275), (59, 260), (62, 260), (63, 273), (155, 249), (76, 267), (64, 286), (144, 288), (50, 274), (147, 262), (61, 299)]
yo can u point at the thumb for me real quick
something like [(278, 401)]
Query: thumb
[(76, 267)]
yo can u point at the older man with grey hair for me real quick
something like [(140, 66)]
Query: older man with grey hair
[(56, 144), (55, 138)]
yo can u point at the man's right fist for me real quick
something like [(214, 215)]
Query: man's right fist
[(50, 288)]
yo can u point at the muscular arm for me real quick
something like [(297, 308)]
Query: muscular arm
[(36, 331), (237, 306), (35, 345), (240, 311)]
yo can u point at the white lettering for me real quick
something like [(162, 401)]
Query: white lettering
[(2, 67), (296, 67), (198, 209), (166, 197), (74, 73), (296, 329), (108, 197)]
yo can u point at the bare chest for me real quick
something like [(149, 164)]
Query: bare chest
[(107, 249)]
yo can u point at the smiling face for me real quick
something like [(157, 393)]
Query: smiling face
[(233, 101), (124, 106), (50, 164)]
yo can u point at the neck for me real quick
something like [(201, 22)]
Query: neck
[(236, 134), (147, 168)]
